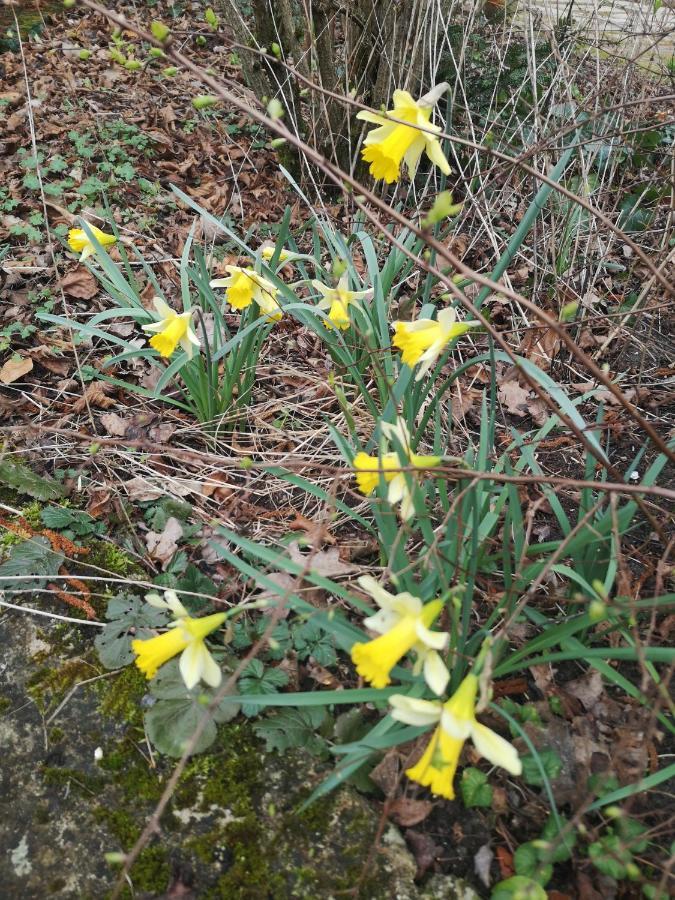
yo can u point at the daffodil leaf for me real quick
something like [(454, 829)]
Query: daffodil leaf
[(129, 618)]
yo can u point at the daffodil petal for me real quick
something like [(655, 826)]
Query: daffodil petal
[(413, 711), (496, 749)]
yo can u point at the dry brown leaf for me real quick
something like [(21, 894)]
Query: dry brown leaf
[(141, 489), (323, 562), (540, 345), (162, 545), (15, 368), (95, 394), (114, 425), (48, 359), (80, 283), (514, 397), (387, 772), (406, 812)]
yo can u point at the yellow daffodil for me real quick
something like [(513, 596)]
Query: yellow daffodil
[(393, 143), (267, 252), (186, 636), (368, 468), (337, 301), (246, 286), (172, 329), (457, 722), (79, 242), (423, 340), (403, 624)]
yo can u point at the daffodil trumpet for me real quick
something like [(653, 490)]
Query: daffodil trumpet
[(80, 242), (457, 722), (403, 623), (172, 329), (186, 636), (338, 300), (244, 286), (403, 134)]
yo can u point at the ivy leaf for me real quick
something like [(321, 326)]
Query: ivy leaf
[(475, 788), (22, 479), (194, 581), (130, 618), (311, 640), (559, 848), (527, 861), (550, 761), (293, 728), (610, 856), (257, 680), (518, 888), (32, 557), (172, 720)]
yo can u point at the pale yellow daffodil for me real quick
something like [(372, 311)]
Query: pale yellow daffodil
[(457, 722), (423, 340), (79, 241), (245, 286), (337, 301), (172, 329), (186, 636), (368, 468), (393, 143), (267, 252), (403, 625)]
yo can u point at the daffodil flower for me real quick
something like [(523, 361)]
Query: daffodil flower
[(393, 143), (172, 329), (368, 468), (79, 241), (246, 286), (186, 636), (267, 252), (423, 340), (457, 722), (337, 301), (403, 624)]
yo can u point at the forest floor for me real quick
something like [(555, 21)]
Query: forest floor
[(139, 497)]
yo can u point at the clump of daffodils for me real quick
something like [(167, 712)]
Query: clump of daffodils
[(390, 464), (244, 286), (403, 623), (80, 242), (422, 341), (186, 636), (171, 330), (391, 144), (337, 301), (457, 722)]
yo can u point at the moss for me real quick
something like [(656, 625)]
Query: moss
[(120, 697), (31, 513), (249, 876), (48, 686), (113, 559), (152, 871), (229, 778), (56, 735), (5, 704), (86, 785)]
